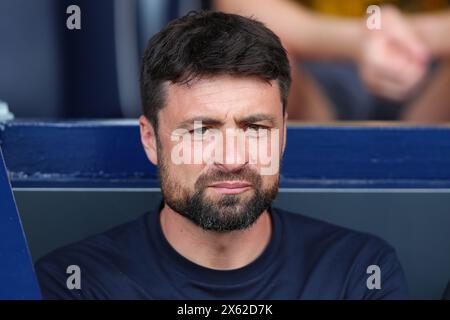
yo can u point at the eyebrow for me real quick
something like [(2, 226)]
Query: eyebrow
[(258, 118), (205, 120), (215, 122)]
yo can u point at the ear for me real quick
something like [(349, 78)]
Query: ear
[(148, 139), (284, 129)]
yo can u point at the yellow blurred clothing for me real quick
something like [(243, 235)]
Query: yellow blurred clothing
[(357, 8)]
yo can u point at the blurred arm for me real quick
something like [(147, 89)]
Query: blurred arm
[(303, 32), (434, 30), (434, 104)]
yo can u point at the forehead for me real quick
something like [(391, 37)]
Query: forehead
[(222, 97)]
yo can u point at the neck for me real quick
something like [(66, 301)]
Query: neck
[(210, 249)]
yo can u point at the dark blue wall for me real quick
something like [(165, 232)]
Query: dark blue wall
[(108, 153), (17, 279)]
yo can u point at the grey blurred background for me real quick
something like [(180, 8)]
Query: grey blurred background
[(49, 71)]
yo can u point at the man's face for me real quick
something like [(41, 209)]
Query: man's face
[(218, 149)]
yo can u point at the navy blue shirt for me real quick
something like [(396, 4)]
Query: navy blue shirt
[(305, 259)]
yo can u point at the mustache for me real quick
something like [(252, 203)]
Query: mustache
[(243, 174)]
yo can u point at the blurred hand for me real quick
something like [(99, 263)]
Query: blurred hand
[(393, 61)]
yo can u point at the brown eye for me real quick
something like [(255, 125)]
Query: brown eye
[(199, 131), (256, 127)]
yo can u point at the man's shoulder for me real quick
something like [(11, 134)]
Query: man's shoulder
[(101, 245), (315, 233), (344, 256), (102, 255)]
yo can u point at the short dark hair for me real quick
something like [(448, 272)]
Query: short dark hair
[(210, 43)]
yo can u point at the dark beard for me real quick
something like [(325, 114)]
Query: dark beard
[(224, 216), (230, 212)]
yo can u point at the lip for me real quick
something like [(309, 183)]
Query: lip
[(231, 184), (231, 187)]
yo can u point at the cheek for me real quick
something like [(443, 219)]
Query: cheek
[(269, 180), (268, 154), (180, 164), (185, 175)]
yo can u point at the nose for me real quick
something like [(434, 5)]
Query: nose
[(234, 151), (230, 167)]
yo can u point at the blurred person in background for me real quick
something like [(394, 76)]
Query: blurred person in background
[(346, 71)]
